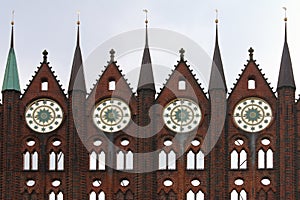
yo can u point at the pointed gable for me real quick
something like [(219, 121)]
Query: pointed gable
[(11, 76), (77, 80), (286, 76), (44, 83), (251, 83), (182, 83), (111, 84)]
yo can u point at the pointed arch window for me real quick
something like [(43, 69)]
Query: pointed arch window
[(30, 160), (56, 161), (195, 161), (238, 160), (95, 196), (97, 160), (167, 160), (265, 159), (195, 196), (124, 160), (235, 195), (56, 196)]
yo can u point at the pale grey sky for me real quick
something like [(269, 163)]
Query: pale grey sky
[(51, 25)]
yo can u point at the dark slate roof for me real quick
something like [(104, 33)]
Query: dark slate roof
[(77, 80), (286, 76), (217, 78), (11, 76), (146, 79)]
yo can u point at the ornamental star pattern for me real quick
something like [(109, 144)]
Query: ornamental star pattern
[(44, 115), (253, 115), (112, 115), (182, 115)]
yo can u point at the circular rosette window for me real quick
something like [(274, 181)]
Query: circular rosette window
[(252, 114), (111, 115), (44, 115), (182, 115)]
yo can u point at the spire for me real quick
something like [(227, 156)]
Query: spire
[(286, 76), (217, 78), (11, 76), (146, 80), (77, 80)]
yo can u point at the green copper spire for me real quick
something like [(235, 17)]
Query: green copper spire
[(11, 76)]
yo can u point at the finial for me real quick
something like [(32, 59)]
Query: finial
[(285, 18), (181, 51), (45, 53), (146, 12), (78, 17), (112, 55), (13, 18), (217, 16), (251, 53)]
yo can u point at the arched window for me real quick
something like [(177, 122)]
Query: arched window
[(162, 160), (56, 161), (95, 196), (261, 159), (269, 159), (195, 161), (129, 160), (265, 159), (120, 160), (30, 160), (172, 160), (97, 161), (242, 195), (195, 196), (167, 160), (238, 160), (265, 155), (125, 161), (54, 196)]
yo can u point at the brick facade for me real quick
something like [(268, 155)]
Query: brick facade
[(77, 138)]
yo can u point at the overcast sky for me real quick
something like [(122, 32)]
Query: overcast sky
[(51, 25)]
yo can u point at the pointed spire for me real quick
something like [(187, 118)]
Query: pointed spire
[(217, 77), (77, 80), (286, 76), (146, 80), (11, 76)]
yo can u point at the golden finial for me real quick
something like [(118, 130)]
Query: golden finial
[(78, 17), (146, 12), (217, 16), (13, 18), (285, 18)]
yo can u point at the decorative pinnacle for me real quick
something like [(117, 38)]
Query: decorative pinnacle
[(13, 18), (251, 53), (78, 17), (217, 16), (112, 55), (146, 12), (285, 18), (181, 51), (45, 53)]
